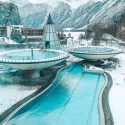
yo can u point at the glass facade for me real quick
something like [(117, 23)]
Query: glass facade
[(50, 36)]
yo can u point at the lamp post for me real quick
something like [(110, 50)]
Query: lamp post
[(32, 54)]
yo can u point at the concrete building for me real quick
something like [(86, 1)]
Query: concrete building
[(5, 31), (28, 34), (31, 34)]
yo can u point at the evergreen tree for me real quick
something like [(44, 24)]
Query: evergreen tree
[(81, 37), (17, 36)]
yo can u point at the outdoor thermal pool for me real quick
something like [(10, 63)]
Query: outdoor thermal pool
[(71, 100), (30, 54)]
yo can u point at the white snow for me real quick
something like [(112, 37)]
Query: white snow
[(117, 92), (4, 40), (11, 94), (75, 35), (117, 104), (76, 41)]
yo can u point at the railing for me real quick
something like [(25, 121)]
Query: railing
[(96, 50), (37, 60)]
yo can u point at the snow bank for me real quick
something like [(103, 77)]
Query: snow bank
[(117, 92), (11, 94), (4, 40)]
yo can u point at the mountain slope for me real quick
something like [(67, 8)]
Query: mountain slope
[(61, 13), (63, 16), (9, 14), (109, 13), (83, 14), (106, 13), (33, 15)]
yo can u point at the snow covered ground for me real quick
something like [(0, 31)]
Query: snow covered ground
[(4, 40), (11, 94), (76, 42), (117, 92), (75, 35)]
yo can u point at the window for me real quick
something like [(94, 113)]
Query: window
[(47, 44)]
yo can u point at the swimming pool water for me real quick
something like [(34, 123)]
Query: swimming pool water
[(72, 100), (94, 50), (27, 55)]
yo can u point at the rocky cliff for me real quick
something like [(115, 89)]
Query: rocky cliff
[(9, 14)]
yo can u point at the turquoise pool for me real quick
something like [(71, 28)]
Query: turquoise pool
[(71, 100), (27, 55), (94, 50)]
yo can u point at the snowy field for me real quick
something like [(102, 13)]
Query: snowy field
[(4, 40), (11, 94), (117, 92)]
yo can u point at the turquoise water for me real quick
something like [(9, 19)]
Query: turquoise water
[(94, 50), (72, 100), (27, 55)]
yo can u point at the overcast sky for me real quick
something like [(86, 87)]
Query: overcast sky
[(41, 1), (73, 3), (36, 1)]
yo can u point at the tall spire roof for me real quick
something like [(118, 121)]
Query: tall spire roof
[(49, 21), (50, 39)]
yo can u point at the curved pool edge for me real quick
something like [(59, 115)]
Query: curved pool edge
[(93, 56), (101, 111), (106, 117), (5, 116), (104, 108), (100, 107), (41, 60)]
